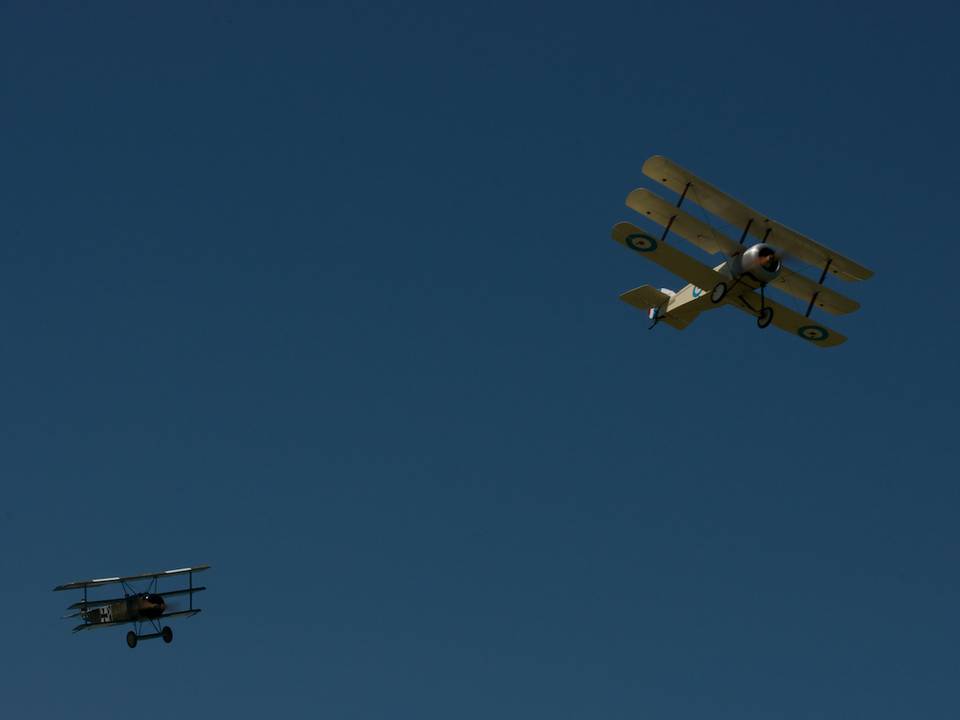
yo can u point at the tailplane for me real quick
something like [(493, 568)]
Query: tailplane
[(655, 303), (647, 297)]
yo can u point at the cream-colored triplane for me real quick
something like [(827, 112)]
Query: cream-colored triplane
[(745, 269)]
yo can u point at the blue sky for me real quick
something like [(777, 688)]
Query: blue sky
[(324, 295)]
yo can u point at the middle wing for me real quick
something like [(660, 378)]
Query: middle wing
[(109, 601), (681, 222)]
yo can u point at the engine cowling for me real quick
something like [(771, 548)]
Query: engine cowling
[(150, 605), (762, 261)]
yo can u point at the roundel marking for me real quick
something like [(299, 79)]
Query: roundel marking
[(814, 333), (641, 242), (697, 292)]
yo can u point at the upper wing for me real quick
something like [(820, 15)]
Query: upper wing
[(733, 211), (677, 262), (143, 576), (786, 319), (685, 225)]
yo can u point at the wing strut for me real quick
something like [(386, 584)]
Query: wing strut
[(823, 276), (670, 222)]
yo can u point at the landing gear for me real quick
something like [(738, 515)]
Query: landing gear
[(765, 317), (134, 637), (718, 292), (766, 313)]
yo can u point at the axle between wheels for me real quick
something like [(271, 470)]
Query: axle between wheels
[(133, 638)]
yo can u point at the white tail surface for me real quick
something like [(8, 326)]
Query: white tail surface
[(646, 297)]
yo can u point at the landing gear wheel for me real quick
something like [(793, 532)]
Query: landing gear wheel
[(131, 639), (766, 317), (167, 635), (718, 292)]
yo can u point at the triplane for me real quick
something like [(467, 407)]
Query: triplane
[(745, 270), (136, 607)]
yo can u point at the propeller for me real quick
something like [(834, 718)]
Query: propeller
[(783, 256)]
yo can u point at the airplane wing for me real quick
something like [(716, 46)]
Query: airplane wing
[(803, 288), (143, 576), (109, 601), (677, 262), (112, 623), (92, 625), (684, 224), (788, 320), (185, 591), (733, 211), (93, 603)]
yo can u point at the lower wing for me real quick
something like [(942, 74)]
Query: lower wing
[(788, 320), (677, 262)]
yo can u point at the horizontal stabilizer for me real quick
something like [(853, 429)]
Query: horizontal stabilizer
[(645, 297)]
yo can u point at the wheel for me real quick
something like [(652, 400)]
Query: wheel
[(167, 635), (766, 317), (718, 292), (131, 639)]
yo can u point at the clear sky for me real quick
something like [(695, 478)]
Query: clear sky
[(324, 295)]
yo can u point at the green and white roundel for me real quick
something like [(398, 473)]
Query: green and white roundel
[(814, 333), (641, 242)]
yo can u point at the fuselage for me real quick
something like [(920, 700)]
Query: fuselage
[(754, 267), (142, 606)]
